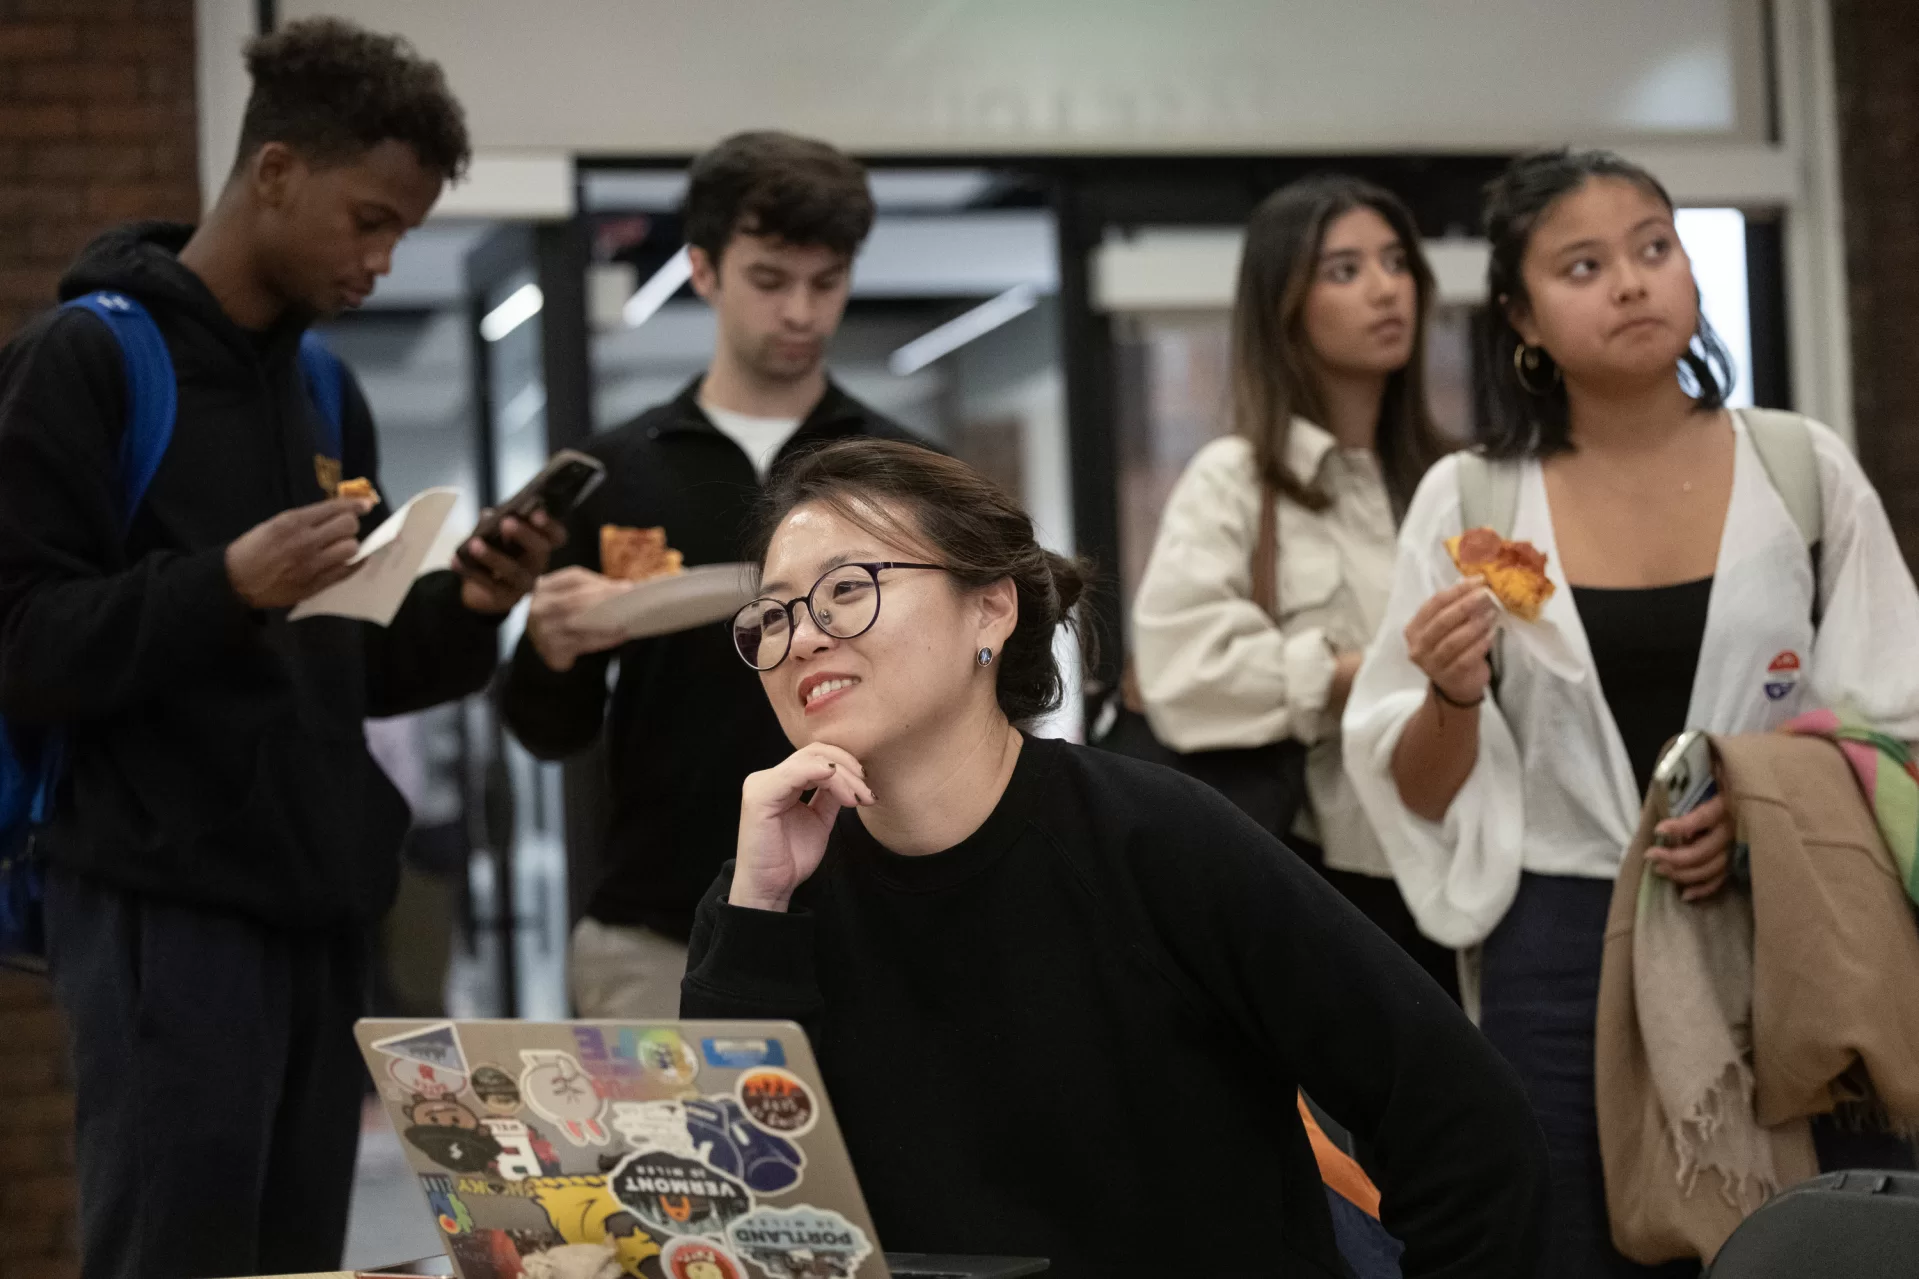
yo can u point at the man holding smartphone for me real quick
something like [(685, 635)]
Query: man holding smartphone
[(772, 224), (221, 839)]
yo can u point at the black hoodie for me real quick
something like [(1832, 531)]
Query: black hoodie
[(216, 755)]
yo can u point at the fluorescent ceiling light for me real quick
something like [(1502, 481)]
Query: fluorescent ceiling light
[(520, 306), (633, 191), (653, 295), (929, 189), (960, 330)]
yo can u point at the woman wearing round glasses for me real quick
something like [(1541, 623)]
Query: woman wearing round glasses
[(1062, 999)]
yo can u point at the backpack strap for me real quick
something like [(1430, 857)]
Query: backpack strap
[(152, 393), (325, 378), (1783, 441), (1488, 493)]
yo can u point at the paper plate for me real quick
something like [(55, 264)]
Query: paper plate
[(709, 593)]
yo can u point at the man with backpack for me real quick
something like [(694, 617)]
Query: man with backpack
[(216, 836)]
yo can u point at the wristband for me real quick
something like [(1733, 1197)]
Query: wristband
[(1452, 701)]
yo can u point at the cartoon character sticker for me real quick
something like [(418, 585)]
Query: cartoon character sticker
[(447, 1132), (1782, 676), (678, 1196), (560, 1092), (689, 1257), (800, 1243), (778, 1101), (497, 1092), (583, 1211), (517, 1158)]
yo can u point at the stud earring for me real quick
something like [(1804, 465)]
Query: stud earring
[(984, 657)]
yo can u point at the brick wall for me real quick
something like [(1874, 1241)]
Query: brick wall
[(97, 125), (36, 1136), (1876, 57)]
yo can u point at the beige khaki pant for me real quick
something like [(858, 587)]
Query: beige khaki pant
[(622, 973)]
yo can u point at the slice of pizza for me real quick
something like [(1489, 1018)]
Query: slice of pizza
[(636, 554), (1516, 571), (361, 487)]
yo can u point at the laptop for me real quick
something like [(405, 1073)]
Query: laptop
[(593, 1150)]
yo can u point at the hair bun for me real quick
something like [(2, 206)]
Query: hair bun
[(1071, 577)]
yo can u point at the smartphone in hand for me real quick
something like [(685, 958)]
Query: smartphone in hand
[(562, 484), (1684, 773)]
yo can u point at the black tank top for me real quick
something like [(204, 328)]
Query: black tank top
[(1645, 644)]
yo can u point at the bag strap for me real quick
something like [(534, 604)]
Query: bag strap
[(1266, 553), (1488, 493), (1784, 443), (152, 393), (325, 378)]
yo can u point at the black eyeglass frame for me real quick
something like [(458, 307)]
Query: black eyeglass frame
[(873, 569)]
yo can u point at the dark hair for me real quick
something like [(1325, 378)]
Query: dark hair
[(1510, 420), (971, 525), (332, 90), (777, 185), (1273, 375)]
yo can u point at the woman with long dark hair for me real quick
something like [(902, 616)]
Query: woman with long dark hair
[(1716, 569), (1331, 435), (1062, 999)]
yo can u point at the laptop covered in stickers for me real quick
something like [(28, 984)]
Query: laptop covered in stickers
[(653, 1150)]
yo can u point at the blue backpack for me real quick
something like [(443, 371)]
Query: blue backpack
[(32, 759)]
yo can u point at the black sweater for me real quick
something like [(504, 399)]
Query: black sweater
[(217, 755), (1077, 1034), (689, 719)]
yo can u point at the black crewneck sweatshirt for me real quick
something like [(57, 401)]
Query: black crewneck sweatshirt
[(1078, 1033)]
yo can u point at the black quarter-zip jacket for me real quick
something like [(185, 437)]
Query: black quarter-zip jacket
[(688, 719), (216, 754)]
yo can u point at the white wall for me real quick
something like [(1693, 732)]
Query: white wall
[(670, 76), (1681, 85)]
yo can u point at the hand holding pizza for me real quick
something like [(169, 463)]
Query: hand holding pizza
[(1451, 639), (297, 553)]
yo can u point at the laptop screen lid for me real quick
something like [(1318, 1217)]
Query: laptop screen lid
[(589, 1150)]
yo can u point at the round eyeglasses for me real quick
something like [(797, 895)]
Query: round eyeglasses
[(844, 603)]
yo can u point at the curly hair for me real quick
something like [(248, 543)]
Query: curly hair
[(332, 90), (774, 184)]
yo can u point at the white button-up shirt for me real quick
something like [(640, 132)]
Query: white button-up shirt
[(1215, 671)]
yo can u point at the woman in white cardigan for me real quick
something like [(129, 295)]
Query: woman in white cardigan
[(1688, 595), (1331, 425)]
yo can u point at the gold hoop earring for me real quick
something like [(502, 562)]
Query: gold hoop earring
[(1526, 360)]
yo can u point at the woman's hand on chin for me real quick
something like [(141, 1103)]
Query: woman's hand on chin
[(782, 838)]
